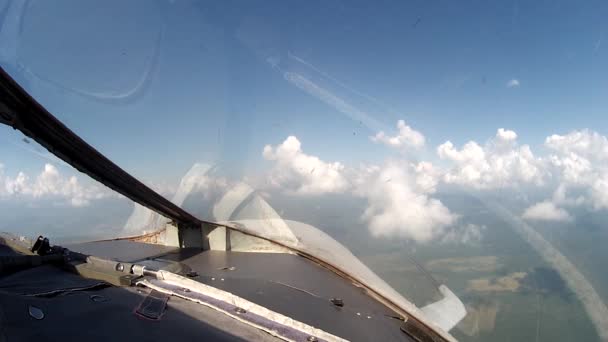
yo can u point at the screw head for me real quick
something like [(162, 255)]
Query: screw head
[(337, 302)]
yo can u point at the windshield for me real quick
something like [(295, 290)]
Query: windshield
[(449, 143)]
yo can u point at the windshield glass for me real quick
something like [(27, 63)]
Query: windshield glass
[(440, 142)]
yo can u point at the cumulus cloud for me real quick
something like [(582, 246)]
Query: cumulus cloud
[(584, 142), (406, 137), (498, 164), (398, 194), (513, 83), (577, 167), (505, 135), (302, 173), (546, 211), (399, 202), (579, 161), (49, 184)]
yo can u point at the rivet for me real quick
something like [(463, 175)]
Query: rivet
[(337, 302)]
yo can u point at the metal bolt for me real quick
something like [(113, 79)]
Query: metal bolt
[(337, 302), (120, 267), (312, 339), (240, 310)]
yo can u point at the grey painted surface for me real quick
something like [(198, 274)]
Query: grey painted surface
[(288, 284)]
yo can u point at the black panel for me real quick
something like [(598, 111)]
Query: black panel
[(300, 289), (286, 283)]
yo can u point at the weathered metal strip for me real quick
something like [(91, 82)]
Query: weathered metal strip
[(273, 327)]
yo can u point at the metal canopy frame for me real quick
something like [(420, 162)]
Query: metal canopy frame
[(22, 112)]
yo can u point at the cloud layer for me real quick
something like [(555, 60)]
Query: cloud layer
[(399, 193), (580, 161), (49, 184)]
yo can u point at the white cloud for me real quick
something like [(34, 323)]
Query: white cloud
[(399, 203), (584, 142), (513, 83), (427, 177), (49, 184), (579, 161), (397, 194), (571, 168), (400, 193), (500, 163), (406, 137), (577, 167), (17, 185), (302, 173), (506, 135), (546, 211)]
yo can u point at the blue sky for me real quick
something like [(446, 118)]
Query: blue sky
[(441, 66)]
